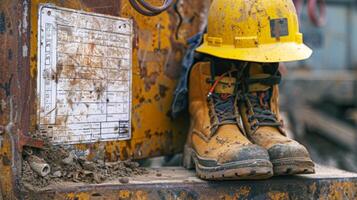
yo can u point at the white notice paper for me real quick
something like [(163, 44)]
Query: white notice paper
[(84, 76)]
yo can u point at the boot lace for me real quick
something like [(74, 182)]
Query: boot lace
[(224, 108), (261, 113)]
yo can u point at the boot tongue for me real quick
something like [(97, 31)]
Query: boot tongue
[(260, 92), (225, 86), (260, 100), (224, 100), (258, 86)]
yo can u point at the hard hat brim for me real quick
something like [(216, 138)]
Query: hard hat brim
[(280, 52)]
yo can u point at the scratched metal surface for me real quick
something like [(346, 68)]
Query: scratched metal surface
[(158, 46), (16, 93)]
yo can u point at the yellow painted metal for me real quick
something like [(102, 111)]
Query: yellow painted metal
[(156, 61), (259, 31), (6, 169)]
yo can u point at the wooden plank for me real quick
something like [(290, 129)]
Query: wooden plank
[(178, 183)]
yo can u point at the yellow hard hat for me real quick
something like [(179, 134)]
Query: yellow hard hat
[(254, 30)]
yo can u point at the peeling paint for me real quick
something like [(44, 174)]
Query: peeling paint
[(25, 50), (10, 125), (25, 16), (163, 90), (19, 28)]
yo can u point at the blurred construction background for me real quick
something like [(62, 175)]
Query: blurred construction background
[(320, 94)]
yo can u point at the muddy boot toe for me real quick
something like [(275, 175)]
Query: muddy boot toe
[(290, 158)]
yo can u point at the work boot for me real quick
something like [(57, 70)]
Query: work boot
[(263, 124), (216, 146)]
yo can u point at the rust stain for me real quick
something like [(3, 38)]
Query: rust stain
[(242, 193), (62, 120), (149, 79), (342, 190), (109, 7), (148, 134), (278, 195)]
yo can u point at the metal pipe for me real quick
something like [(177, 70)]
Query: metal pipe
[(142, 11), (146, 9), (154, 9), (39, 166)]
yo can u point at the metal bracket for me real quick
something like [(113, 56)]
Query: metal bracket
[(25, 140)]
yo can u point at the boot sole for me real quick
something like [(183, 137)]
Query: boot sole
[(291, 166), (241, 170)]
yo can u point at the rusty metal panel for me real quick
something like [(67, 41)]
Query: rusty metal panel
[(15, 91), (158, 46)]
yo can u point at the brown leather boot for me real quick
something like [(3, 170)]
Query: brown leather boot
[(259, 108), (216, 146)]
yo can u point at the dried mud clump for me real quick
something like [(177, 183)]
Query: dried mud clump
[(66, 166)]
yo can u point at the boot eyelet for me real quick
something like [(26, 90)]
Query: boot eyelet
[(254, 125)]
